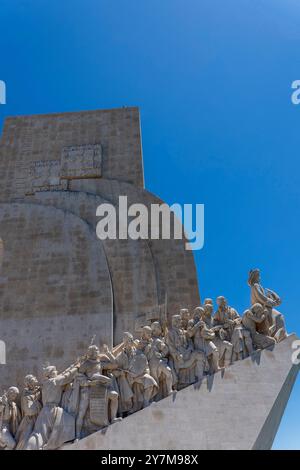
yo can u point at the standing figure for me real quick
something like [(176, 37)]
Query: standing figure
[(157, 352), (131, 367), (119, 365), (230, 321), (10, 418), (188, 363), (185, 318), (54, 426), (90, 381), (202, 338), (242, 339), (224, 346), (225, 315), (207, 317), (31, 405), (274, 324)]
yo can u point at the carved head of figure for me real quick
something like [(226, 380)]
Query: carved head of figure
[(12, 394), (176, 321), (30, 382), (184, 313), (254, 277), (93, 352), (222, 302), (208, 301), (208, 309), (185, 316), (146, 333), (156, 329), (258, 310), (128, 340), (50, 372), (198, 313)]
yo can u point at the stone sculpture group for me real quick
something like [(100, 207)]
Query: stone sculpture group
[(105, 386)]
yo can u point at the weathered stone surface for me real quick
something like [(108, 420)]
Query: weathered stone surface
[(72, 162), (81, 161), (240, 408), (55, 285), (43, 137), (174, 265), (45, 176), (131, 267)]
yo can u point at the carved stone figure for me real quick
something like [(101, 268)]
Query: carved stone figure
[(144, 385), (243, 341), (101, 386), (230, 321), (10, 418), (119, 367), (185, 318), (224, 347), (253, 317), (188, 363), (274, 324), (157, 352), (225, 315), (203, 337), (54, 425), (93, 395), (31, 405), (137, 387)]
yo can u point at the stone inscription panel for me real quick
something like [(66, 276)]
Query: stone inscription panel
[(81, 161), (98, 404), (45, 175), (76, 162)]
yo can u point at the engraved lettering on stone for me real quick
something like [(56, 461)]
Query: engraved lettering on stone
[(98, 405), (82, 161), (44, 176)]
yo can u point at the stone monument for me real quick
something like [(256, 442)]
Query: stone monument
[(157, 355), (56, 277)]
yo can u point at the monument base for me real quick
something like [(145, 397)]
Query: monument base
[(239, 408)]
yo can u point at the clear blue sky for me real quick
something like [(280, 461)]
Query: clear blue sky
[(213, 83)]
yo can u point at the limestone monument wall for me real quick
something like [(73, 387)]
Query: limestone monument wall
[(59, 284)]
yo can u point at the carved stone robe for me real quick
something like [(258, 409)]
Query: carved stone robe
[(54, 426), (250, 322), (182, 355), (11, 418), (30, 406), (135, 362), (274, 323), (225, 318)]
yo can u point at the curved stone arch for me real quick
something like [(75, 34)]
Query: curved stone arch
[(57, 285), (134, 283), (106, 186), (175, 267)]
